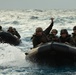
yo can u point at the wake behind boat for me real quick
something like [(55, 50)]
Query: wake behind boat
[(53, 54), (6, 37)]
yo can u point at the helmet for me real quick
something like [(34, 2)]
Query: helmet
[(74, 28), (63, 31), (39, 29), (54, 30)]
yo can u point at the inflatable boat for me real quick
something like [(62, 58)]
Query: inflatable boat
[(6, 37), (53, 54)]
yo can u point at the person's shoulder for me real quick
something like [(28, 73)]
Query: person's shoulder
[(57, 36), (60, 37), (2, 31), (34, 35), (69, 35)]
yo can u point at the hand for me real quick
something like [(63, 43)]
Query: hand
[(67, 43), (52, 19)]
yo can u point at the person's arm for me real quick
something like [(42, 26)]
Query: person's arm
[(48, 29), (18, 35), (34, 41)]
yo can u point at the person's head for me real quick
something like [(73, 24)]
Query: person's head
[(54, 31), (0, 27), (14, 29), (64, 33), (74, 29), (10, 29), (39, 31)]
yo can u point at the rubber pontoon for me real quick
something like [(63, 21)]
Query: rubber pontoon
[(53, 54), (6, 37)]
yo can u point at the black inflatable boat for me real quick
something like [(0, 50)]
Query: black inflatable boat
[(6, 37), (53, 54)]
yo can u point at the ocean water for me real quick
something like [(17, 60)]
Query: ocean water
[(12, 58)]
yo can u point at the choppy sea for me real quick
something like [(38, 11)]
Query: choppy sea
[(12, 58)]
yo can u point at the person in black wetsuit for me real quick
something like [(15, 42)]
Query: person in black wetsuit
[(40, 36)]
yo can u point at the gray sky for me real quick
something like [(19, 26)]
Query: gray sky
[(37, 4)]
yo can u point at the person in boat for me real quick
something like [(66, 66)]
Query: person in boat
[(14, 32), (1, 29), (10, 30), (74, 36), (40, 36), (64, 37), (53, 36)]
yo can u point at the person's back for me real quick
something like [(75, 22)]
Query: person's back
[(40, 36)]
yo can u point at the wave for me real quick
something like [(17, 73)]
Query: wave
[(10, 55), (26, 22), (34, 17), (15, 22), (38, 10)]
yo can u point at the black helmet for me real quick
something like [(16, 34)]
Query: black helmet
[(63, 31), (54, 30), (74, 28)]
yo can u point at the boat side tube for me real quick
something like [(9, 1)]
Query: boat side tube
[(63, 48)]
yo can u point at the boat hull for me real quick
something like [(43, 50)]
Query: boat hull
[(53, 54), (6, 37)]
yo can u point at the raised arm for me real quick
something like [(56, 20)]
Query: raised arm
[(48, 29)]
